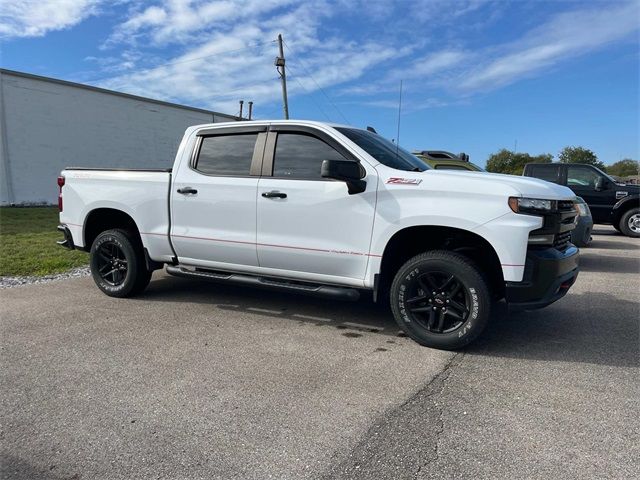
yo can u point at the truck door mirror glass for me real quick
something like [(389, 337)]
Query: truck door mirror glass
[(346, 171)]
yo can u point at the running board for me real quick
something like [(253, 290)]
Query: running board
[(325, 291)]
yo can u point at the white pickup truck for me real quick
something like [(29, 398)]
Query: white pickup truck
[(327, 210)]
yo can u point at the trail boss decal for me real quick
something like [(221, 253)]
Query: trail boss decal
[(404, 181)]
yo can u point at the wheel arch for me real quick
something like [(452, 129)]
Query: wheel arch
[(101, 219), (624, 205), (412, 240)]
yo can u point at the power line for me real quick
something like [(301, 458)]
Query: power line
[(318, 85), (295, 77)]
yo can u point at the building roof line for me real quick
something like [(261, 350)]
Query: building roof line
[(32, 76)]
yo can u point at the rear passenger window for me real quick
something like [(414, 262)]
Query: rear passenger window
[(300, 156), (226, 154), (544, 172)]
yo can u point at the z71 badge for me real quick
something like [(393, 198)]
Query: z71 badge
[(404, 181)]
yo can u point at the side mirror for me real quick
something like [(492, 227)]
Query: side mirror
[(600, 185), (345, 171)]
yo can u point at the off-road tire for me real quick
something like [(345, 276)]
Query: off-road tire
[(419, 277), (625, 228), (121, 252)]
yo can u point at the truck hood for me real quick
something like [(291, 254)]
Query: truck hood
[(509, 184)]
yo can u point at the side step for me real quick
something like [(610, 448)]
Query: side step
[(317, 290)]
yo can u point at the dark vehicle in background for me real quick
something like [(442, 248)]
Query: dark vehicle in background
[(581, 235), (441, 160), (611, 203)]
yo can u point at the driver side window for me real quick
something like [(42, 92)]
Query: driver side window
[(581, 177), (300, 156)]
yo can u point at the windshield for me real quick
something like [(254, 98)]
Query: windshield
[(386, 152)]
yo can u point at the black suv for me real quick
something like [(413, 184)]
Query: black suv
[(610, 202)]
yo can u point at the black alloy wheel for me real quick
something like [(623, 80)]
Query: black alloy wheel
[(441, 299), (112, 263), (438, 301), (118, 263)]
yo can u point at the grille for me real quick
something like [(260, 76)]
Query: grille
[(562, 241)]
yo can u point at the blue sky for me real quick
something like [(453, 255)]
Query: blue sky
[(478, 75)]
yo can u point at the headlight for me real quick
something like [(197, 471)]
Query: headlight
[(530, 205), (583, 209)]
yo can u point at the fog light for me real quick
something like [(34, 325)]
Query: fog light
[(541, 239)]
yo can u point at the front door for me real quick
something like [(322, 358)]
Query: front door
[(582, 179), (213, 201), (306, 223)]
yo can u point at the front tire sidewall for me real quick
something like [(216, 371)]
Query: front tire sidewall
[(127, 287), (480, 300), (624, 223)]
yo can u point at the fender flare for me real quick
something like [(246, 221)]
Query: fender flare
[(624, 204)]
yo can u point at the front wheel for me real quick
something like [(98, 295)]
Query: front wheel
[(630, 223), (117, 263), (441, 300)]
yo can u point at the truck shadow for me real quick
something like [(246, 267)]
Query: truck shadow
[(362, 316), (587, 328), (595, 328), (632, 244), (591, 262)]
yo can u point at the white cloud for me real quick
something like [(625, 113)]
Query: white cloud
[(565, 36), (221, 49), (181, 21), (35, 18), (235, 60)]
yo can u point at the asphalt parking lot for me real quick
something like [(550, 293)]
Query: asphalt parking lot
[(193, 380)]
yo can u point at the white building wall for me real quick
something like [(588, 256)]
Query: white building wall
[(47, 125)]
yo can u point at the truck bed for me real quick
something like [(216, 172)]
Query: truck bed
[(143, 194)]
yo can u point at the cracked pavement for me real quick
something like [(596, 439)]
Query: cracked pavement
[(198, 381)]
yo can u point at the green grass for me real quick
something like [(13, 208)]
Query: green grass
[(28, 243)]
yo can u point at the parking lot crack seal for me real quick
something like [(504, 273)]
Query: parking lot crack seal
[(405, 440), (433, 390)]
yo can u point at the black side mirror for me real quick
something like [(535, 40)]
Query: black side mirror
[(346, 171), (600, 185)]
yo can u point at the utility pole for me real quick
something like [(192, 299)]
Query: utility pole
[(250, 109), (241, 103), (279, 63)]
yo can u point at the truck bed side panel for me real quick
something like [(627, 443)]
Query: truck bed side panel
[(143, 195)]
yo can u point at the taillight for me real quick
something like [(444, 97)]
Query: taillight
[(60, 185)]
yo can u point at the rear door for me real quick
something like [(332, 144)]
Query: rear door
[(306, 223), (213, 199), (548, 172)]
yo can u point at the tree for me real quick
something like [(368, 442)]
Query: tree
[(506, 161), (624, 168), (580, 155)]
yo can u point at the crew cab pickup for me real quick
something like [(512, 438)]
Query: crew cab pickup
[(332, 211), (610, 202)]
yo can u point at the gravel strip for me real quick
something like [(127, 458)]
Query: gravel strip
[(9, 282)]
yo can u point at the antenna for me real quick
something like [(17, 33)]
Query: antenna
[(399, 111)]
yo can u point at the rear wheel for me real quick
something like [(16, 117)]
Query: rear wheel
[(630, 223), (441, 300), (117, 263)]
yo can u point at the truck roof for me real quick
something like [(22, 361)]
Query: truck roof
[(310, 123)]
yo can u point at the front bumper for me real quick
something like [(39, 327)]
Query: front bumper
[(68, 238), (581, 235), (549, 273)]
